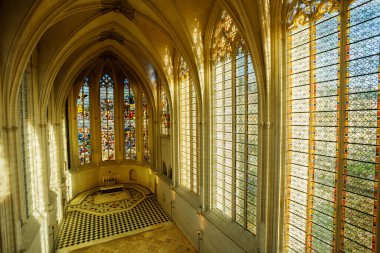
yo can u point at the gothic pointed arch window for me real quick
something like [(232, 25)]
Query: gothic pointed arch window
[(235, 126), (83, 121), (333, 126), (129, 121), (189, 167), (106, 92), (109, 109)]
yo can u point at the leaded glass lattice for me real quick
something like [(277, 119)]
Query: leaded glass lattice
[(235, 126), (83, 121), (129, 122), (107, 117), (361, 164), (329, 103), (188, 131)]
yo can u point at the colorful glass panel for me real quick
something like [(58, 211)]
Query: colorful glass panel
[(129, 122), (165, 113), (107, 117), (145, 129), (83, 120)]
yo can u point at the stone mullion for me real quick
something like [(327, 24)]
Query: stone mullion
[(376, 213), (95, 120), (190, 131), (139, 126), (289, 147), (246, 139), (224, 132), (233, 84), (312, 120), (342, 120), (118, 120)]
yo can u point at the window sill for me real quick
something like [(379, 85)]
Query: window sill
[(190, 197), (232, 230), (110, 163), (165, 136)]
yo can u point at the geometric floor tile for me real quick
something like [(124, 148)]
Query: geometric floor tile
[(90, 205), (82, 226)]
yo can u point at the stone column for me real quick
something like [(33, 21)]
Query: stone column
[(10, 223)]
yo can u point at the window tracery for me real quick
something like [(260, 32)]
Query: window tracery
[(224, 36), (301, 12)]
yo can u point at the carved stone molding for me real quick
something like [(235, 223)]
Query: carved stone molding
[(121, 6)]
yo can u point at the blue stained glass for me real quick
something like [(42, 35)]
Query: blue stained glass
[(129, 122), (83, 120), (107, 117)]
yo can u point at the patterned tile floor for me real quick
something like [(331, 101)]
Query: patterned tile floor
[(165, 239), (88, 204), (87, 223)]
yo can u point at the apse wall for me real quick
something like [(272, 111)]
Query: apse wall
[(87, 178), (204, 230)]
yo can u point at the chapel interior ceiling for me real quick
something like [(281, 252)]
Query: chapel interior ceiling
[(145, 35)]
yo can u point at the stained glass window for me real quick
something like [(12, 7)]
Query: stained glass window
[(107, 117), (165, 113), (235, 127), (188, 131), (129, 122), (25, 140), (83, 119), (145, 129), (333, 95)]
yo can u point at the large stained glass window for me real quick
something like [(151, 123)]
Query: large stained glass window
[(235, 127), (333, 127), (188, 131), (83, 119), (129, 122), (145, 129), (165, 113), (107, 117)]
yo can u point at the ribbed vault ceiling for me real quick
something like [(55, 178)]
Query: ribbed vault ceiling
[(146, 35)]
